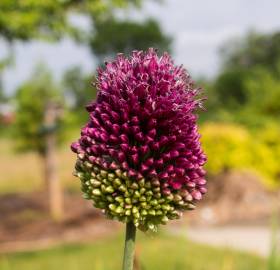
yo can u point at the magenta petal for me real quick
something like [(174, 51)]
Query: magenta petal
[(196, 195)]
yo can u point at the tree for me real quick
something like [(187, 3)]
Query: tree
[(254, 50), (249, 80), (31, 19), (112, 36), (36, 127), (77, 89), (48, 19)]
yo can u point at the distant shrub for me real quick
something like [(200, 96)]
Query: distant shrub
[(233, 147)]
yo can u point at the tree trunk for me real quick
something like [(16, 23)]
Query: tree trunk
[(54, 190)]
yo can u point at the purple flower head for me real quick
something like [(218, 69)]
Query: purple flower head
[(139, 156)]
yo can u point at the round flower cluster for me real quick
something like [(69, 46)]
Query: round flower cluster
[(139, 156)]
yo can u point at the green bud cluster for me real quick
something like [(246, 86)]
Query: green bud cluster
[(125, 199)]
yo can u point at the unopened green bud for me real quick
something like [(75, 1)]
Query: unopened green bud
[(96, 192), (151, 226), (96, 169), (157, 189), (127, 212), (119, 210), (111, 176), (122, 204), (88, 165), (142, 190), (101, 205), (103, 173), (106, 182), (109, 198), (170, 197), (119, 199), (149, 193), (161, 201), (112, 207), (86, 196), (153, 202), (142, 182), (148, 198), (127, 200), (95, 182), (124, 175), (134, 209), (122, 188), (152, 212), (177, 198), (103, 188), (109, 189), (143, 204), (142, 199), (144, 212), (136, 194), (134, 200), (137, 215), (159, 212), (80, 175), (191, 206), (157, 195), (134, 186), (117, 182), (148, 185), (118, 172), (165, 207), (164, 219)]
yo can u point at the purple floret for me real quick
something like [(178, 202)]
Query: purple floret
[(144, 123)]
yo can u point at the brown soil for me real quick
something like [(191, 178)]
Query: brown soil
[(25, 223), (235, 198)]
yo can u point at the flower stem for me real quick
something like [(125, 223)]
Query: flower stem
[(128, 258)]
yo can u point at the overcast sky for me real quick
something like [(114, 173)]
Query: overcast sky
[(198, 27)]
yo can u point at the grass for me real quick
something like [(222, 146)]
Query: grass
[(162, 252), (23, 172)]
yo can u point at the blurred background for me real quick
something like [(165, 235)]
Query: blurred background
[(49, 51)]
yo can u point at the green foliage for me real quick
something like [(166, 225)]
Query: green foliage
[(247, 91), (184, 255), (78, 88), (31, 99), (29, 19), (255, 50), (263, 93), (231, 147), (230, 88), (112, 36)]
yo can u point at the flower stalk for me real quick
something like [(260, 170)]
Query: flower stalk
[(129, 247)]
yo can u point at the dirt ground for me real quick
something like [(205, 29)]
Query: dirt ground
[(234, 199), (25, 224)]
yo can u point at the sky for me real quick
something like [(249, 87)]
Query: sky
[(199, 29)]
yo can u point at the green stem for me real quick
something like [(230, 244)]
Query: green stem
[(128, 258)]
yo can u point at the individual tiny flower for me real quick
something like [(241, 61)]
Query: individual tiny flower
[(139, 156)]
